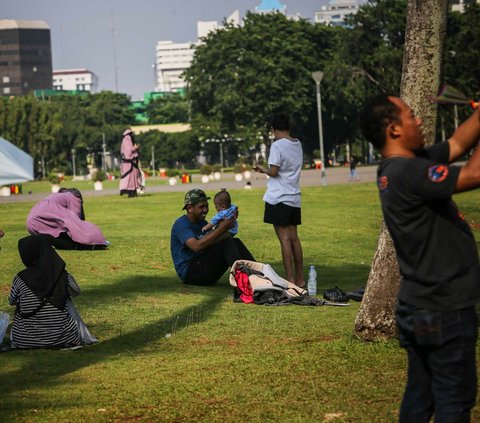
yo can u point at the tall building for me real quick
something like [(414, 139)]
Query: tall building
[(25, 56), (75, 80), (172, 59), (459, 5), (271, 6), (335, 12)]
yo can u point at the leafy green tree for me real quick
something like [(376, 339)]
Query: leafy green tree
[(170, 149), (461, 66), (242, 75), (170, 108), (355, 72), (421, 71)]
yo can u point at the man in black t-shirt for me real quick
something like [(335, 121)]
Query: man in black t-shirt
[(437, 255)]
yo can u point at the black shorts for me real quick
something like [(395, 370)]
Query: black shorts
[(282, 215)]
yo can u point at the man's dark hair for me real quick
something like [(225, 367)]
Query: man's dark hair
[(280, 121), (376, 115), (223, 197)]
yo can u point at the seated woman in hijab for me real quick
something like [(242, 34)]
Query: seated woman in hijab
[(61, 217), (45, 316)]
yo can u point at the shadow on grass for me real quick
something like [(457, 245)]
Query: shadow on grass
[(44, 367)]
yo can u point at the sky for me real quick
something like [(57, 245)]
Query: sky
[(81, 32)]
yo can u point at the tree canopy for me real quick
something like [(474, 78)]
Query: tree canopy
[(241, 75)]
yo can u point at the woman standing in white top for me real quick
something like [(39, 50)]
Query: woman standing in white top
[(282, 198)]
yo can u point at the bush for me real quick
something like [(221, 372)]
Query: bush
[(206, 169), (99, 176), (54, 179), (173, 172), (241, 167)]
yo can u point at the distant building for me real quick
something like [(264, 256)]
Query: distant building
[(335, 12), (172, 59), (205, 27), (459, 5), (271, 6), (75, 80), (25, 56)]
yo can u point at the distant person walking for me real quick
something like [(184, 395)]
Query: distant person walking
[(353, 169), (129, 168), (282, 198)]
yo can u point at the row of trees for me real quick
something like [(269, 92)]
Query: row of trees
[(242, 75), (49, 128)]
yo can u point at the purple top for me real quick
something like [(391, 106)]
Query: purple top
[(59, 213)]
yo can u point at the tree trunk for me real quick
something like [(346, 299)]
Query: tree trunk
[(424, 37)]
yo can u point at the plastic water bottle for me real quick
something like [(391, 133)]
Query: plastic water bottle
[(312, 281)]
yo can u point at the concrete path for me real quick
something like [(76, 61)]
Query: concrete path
[(311, 177)]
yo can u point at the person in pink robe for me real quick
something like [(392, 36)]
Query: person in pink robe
[(61, 219), (129, 170)]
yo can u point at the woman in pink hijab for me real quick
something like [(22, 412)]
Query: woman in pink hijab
[(60, 218), (129, 170)]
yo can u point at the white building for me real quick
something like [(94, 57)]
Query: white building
[(172, 59), (335, 12), (459, 5), (75, 80)]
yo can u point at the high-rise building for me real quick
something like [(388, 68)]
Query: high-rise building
[(75, 80), (335, 12), (25, 56), (172, 59)]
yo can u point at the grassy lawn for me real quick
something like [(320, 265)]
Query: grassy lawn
[(175, 353), (45, 186)]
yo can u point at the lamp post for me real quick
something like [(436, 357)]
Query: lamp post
[(104, 154), (317, 77), (73, 162)]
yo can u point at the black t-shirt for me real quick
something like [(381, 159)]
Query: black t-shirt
[(435, 247)]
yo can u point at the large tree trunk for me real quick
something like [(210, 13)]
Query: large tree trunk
[(424, 37)]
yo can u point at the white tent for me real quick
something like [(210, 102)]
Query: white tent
[(15, 165)]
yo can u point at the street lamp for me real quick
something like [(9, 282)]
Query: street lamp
[(317, 77), (73, 162)]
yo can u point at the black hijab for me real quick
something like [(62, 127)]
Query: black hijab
[(45, 271)]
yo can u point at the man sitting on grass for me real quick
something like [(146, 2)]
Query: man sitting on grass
[(199, 258), (437, 255)]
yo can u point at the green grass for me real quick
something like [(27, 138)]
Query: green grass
[(223, 362), (45, 186)]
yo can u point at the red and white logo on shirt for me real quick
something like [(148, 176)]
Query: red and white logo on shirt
[(438, 173)]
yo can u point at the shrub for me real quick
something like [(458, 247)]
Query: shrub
[(99, 176), (241, 167), (54, 179), (173, 172), (206, 169)]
